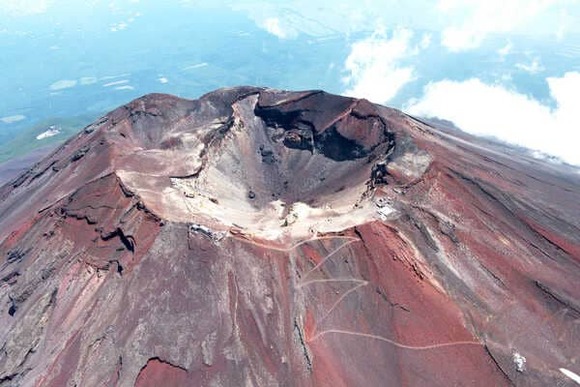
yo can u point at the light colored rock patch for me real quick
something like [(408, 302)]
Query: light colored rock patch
[(412, 165)]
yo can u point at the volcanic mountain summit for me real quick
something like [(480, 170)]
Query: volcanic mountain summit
[(263, 237)]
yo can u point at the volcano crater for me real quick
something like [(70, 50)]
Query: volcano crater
[(271, 168)]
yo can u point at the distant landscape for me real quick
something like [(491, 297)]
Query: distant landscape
[(66, 75)]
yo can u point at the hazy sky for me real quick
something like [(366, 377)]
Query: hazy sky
[(395, 38), (380, 65)]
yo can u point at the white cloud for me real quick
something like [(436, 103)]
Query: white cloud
[(331, 17), (533, 68), (465, 23), (458, 39), (425, 41), (63, 84), (116, 83), (119, 27), (24, 7), (473, 20), (87, 80), (51, 132), (566, 21), (493, 110), (506, 78), (273, 26), (123, 25), (12, 119), (110, 77), (374, 69), (195, 66), (505, 50)]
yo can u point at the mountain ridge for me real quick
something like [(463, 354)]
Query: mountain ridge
[(268, 237)]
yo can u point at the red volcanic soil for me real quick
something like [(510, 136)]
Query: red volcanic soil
[(262, 237)]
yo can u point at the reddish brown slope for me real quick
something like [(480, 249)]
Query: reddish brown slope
[(271, 238)]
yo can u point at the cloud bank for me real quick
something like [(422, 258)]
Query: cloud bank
[(471, 21), (494, 110), (373, 65), (461, 24)]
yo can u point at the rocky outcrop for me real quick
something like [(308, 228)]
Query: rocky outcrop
[(262, 237)]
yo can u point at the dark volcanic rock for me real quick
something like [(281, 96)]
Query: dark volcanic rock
[(261, 237)]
